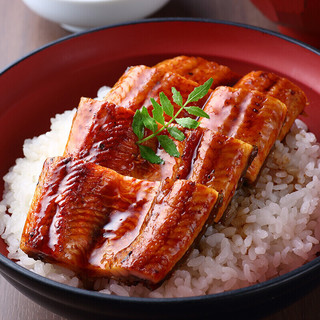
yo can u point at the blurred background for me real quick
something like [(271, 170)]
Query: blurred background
[(22, 30)]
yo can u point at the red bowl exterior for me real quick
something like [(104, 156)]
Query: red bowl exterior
[(54, 78), (298, 18)]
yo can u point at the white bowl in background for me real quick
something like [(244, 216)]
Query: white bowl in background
[(80, 15)]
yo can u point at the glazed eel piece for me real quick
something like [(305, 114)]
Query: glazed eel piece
[(278, 87), (220, 162), (250, 116), (199, 70), (140, 83), (102, 133), (97, 222)]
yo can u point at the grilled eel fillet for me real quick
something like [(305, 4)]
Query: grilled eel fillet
[(250, 116), (220, 162), (97, 222), (281, 88), (140, 83), (199, 70)]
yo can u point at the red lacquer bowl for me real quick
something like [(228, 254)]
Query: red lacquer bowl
[(298, 19), (54, 78)]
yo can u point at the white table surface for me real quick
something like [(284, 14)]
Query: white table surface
[(15, 306)]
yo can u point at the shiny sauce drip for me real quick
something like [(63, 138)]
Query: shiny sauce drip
[(124, 226)]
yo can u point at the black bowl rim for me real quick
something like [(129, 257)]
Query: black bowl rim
[(279, 281), (152, 20)]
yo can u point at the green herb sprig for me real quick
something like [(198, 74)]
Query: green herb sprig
[(157, 123)]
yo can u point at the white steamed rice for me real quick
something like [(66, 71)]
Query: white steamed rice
[(275, 226)]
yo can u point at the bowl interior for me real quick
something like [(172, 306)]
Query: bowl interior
[(54, 78)]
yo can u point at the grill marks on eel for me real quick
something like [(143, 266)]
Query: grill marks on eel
[(250, 116), (280, 88), (102, 210)]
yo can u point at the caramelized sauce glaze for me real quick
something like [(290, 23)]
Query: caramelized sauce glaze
[(199, 70), (250, 116), (280, 88)]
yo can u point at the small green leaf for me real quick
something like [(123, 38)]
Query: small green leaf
[(188, 123), (176, 133), (166, 104), (148, 154), (168, 145), (142, 120), (177, 97), (199, 92), (157, 111), (148, 122), (137, 125), (196, 111)]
